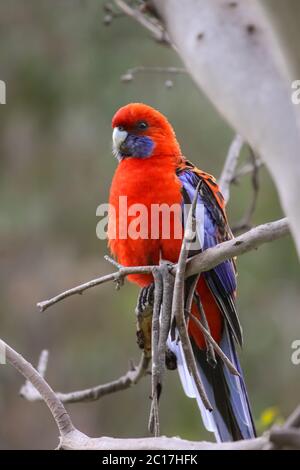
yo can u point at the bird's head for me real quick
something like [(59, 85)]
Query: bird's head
[(140, 131)]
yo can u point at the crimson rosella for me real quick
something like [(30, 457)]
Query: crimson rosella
[(152, 172)]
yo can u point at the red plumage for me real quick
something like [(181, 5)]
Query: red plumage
[(154, 181)]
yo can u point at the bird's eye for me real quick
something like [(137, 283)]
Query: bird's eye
[(142, 125), (121, 128)]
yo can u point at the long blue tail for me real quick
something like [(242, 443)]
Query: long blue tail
[(231, 418)]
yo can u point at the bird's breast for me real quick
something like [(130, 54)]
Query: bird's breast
[(145, 214)]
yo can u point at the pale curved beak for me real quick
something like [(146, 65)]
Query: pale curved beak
[(118, 137)]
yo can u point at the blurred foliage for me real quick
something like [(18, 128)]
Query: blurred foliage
[(269, 417), (62, 67)]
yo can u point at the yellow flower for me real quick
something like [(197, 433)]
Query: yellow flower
[(268, 418)]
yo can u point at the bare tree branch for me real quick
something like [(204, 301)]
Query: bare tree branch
[(178, 301), (72, 438), (129, 75), (72, 442), (280, 435), (132, 377), (284, 438), (215, 346), (165, 318), (115, 277), (230, 165), (36, 388), (193, 296), (153, 425), (155, 28), (246, 169), (57, 409), (246, 221), (205, 261), (212, 345), (244, 243), (231, 174)]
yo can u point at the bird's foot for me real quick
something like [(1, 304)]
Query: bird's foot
[(144, 311), (144, 315), (171, 360)]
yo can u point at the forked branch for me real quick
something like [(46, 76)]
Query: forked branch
[(72, 439), (130, 378)]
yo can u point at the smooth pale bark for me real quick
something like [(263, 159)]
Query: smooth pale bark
[(284, 17), (228, 48)]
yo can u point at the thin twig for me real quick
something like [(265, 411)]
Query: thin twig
[(280, 436), (28, 389), (132, 377), (152, 25), (160, 331), (248, 241), (153, 425), (58, 411), (246, 221), (293, 421), (165, 318), (200, 263), (230, 166), (113, 262), (178, 302), (194, 296), (128, 76), (211, 343), (215, 345), (210, 349), (246, 170), (115, 277), (43, 362), (191, 293)]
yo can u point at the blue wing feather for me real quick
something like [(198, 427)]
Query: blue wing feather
[(231, 417), (207, 231)]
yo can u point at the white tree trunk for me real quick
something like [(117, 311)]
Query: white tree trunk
[(228, 47), (284, 17)]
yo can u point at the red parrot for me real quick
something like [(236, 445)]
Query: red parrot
[(152, 171)]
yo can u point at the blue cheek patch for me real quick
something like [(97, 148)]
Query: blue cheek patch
[(139, 146)]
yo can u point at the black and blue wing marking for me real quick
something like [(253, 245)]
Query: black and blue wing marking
[(212, 228), (231, 418)]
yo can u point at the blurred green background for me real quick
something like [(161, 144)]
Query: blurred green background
[(62, 67)]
